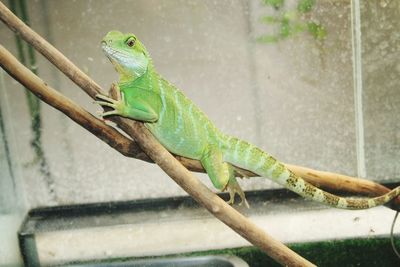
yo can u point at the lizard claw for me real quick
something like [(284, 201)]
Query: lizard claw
[(108, 113), (231, 200), (106, 98), (244, 201), (234, 188), (116, 106), (106, 104)]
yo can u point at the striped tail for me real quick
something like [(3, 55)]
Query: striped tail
[(247, 156)]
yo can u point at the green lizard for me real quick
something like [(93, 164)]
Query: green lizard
[(185, 130)]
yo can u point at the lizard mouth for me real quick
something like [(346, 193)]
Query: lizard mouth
[(107, 49)]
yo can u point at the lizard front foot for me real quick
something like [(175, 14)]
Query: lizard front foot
[(116, 105)]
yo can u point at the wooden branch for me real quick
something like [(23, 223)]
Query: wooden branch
[(326, 180), (339, 182)]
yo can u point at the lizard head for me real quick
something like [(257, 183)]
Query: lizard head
[(128, 55)]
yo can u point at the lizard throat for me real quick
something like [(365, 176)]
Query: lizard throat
[(129, 66)]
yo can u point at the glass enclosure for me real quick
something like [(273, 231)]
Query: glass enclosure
[(314, 83)]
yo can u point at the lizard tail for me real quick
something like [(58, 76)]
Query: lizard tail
[(247, 156)]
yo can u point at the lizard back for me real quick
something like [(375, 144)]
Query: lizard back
[(182, 127)]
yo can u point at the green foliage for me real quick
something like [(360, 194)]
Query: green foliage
[(316, 30), (268, 39), (305, 6), (285, 29), (270, 19), (275, 3), (288, 23)]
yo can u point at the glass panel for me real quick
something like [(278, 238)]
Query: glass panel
[(381, 85), (293, 97), (11, 194), (304, 85)]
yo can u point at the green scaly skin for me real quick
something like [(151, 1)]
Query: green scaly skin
[(185, 130)]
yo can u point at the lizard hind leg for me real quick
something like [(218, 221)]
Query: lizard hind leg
[(221, 174)]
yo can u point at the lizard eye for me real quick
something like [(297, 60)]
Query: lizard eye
[(130, 42)]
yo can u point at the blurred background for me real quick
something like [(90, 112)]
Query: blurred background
[(314, 83)]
